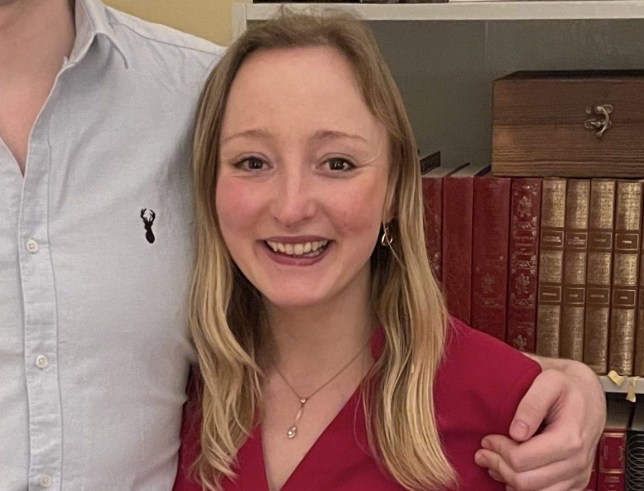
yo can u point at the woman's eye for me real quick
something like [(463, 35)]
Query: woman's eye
[(251, 163), (340, 164)]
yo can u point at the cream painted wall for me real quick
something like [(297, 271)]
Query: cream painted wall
[(210, 19)]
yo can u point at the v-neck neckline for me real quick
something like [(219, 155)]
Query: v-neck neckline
[(350, 420), (356, 416)]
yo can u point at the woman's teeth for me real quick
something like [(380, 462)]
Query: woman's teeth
[(300, 249)]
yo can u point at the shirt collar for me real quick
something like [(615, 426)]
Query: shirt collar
[(92, 20)]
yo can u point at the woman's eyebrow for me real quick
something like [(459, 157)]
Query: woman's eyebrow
[(250, 133), (335, 134)]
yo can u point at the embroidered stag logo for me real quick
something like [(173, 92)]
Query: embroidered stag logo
[(148, 219)]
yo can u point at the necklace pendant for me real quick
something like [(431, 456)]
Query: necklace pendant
[(291, 432)]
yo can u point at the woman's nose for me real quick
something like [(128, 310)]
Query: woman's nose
[(293, 198)]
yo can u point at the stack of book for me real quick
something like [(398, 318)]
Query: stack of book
[(549, 265)]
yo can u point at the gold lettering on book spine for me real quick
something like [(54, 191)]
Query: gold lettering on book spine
[(625, 277), (523, 260), (598, 273), (553, 219), (574, 276)]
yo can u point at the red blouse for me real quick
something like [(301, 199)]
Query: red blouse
[(478, 387)]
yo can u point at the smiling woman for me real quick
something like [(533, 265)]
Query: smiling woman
[(326, 354)]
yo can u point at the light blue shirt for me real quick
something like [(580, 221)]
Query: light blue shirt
[(94, 343)]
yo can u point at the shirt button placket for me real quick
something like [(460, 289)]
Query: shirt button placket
[(40, 326)]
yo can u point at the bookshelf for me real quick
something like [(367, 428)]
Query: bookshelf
[(444, 57), (611, 387), (461, 10)]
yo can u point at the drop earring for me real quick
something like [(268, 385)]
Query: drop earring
[(386, 240)]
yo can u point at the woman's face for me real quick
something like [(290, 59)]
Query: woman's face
[(302, 177)]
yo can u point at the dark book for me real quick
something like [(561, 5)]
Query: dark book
[(612, 446), (592, 482), (458, 199), (429, 162), (432, 186), (525, 213), (491, 231)]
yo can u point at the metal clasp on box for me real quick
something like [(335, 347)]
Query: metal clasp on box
[(600, 123)]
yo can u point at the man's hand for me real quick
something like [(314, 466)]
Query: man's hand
[(567, 403)]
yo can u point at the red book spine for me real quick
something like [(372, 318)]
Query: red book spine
[(458, 196), (525, 211), (592, 482), (433, 201), (612, 456), (491, 224)]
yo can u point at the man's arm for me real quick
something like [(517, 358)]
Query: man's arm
[(567, 403)]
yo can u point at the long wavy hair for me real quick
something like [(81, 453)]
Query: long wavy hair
[(226, 310)]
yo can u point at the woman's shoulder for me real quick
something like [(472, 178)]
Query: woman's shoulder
[(477, 389), (481, 370), (467, 347)]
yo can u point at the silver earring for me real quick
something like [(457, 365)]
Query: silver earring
[(386, 240)]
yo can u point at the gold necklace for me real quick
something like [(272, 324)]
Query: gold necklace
[(292, 430)]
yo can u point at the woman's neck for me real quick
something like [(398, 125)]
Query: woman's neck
[(317, 340)]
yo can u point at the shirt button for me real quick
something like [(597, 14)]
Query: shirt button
[(45, 480), (32, 246), (42, 361)]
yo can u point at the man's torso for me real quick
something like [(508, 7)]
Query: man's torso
[(96, 253)]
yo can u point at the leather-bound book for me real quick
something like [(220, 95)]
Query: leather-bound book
[(592, 482), (429, 162), (553, 219), (490, 254), (626, 255), (458, 198), (599, 273), (612, 446), (638, 368), (635, 450), (432, 183), (574, 272), (525, 213)]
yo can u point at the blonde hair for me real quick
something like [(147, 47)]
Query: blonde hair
[(226, 309)]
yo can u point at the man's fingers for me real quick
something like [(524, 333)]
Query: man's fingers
[(536, 405), (559, 457), (539, 451), (531, 480)]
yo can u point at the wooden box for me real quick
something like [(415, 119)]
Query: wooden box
[(569, 124)]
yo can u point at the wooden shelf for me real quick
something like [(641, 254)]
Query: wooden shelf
[(609, 386), (466, 10)]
